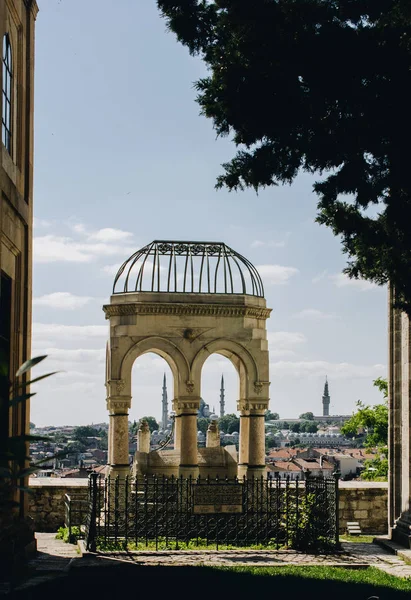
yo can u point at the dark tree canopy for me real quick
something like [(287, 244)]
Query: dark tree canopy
[(270, 416), (229, 423), (308, 416), (322, 86)]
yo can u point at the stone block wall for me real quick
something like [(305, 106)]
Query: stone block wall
[(46, 500), (366, 503)]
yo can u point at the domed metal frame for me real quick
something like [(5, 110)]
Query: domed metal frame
[(208, 268)]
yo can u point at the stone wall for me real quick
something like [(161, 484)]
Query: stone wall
[(365, 502), (46, 500)]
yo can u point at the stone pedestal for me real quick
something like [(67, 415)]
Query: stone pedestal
[(213, 435), (143, 437)]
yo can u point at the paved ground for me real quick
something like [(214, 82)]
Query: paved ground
[(56, 557)]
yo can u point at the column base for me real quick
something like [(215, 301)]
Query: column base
[(401, 532), (256, 471), (242, 470), (121, 471), (186, 471)]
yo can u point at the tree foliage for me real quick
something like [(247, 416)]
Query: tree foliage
[(271, 416), (152, 423), (202, 424), (229, 423), (373, 421), (308, 416), (321, 86)]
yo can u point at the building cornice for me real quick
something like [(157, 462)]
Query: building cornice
[(198, 310)]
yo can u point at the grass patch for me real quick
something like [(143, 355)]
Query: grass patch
[(367, 539), (370, 576)]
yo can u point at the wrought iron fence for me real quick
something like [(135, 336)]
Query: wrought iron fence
[(176, 513)]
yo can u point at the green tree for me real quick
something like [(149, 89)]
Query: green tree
[(309, 427), (152, 423), (84, 431), (229, 423), (321, 86), (32, 425), (373, 420), (270, 416), (202, 424), (308, 416), (295, 427)]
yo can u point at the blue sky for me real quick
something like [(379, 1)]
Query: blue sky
[(123, 157)]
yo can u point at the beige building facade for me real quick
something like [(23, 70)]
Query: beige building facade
[(17, 23), (399, 431), (193, 301)]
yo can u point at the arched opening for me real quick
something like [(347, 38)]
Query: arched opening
[(220, 391), (152, 385)]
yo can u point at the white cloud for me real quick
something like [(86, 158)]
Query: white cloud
[(67, 356), (111, 269), (110, 235), (342, 280), (318, 368), (269, 244), (276, 274), (45, 331), (39, 223), (62, 300), (319, 276), (51, 248), (284, 343), (313, 314)]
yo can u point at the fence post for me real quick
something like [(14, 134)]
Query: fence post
[(92, 530), (337, 508)]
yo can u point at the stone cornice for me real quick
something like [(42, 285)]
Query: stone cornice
[(198, 310)]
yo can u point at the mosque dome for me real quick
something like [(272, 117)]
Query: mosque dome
[(188, 267)]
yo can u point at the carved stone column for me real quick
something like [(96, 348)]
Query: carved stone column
[(253, 411), (143, 437), (118, 406), (244, 440), (177, 427), (186, 412), (213, 435)]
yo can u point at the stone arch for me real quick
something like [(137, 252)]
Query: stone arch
[(164, 348), (240, 357)]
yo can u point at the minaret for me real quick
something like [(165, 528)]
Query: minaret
[(222, 403), (164, 417), (326, 399)]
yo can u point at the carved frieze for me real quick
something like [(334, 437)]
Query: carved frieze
[(198, 310)]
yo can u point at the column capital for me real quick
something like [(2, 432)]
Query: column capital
[(186, 404), (118, 404), (252, 406)]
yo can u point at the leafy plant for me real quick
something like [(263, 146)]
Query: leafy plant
[(63, 533), (15, 533)]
